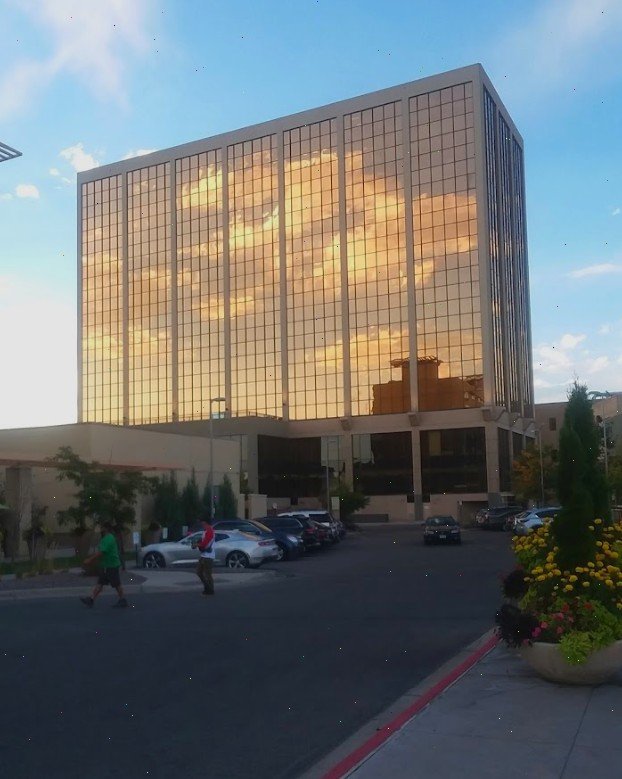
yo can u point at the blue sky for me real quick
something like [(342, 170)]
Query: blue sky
[(86, 82)]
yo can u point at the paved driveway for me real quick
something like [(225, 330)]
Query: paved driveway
[(257, 682)]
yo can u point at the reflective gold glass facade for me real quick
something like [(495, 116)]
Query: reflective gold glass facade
[(149, 290), (376, 251), (312, 269), (102, 301), (447, 289), (509, 280), (254, 272), (313, 272), (200, 283)]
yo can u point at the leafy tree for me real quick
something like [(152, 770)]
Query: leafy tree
[(103, 493), (227, 503), (349, 500), (191, 501), (582, 488), (527, 478)]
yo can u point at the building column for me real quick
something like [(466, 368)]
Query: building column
[(19, 500), (346, 456), (417, 478), (492, 465)]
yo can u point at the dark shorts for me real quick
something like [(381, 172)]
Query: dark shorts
[(110, 576)]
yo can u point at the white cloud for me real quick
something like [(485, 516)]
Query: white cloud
[(54, 172), (596, 270), (569, 341), (138, 153), (604, 329), (6, 196), (27, 190), (598, 364), (564, 42), (559, 363), (39, 388), (615, 212), (78, 158), (90, 41)]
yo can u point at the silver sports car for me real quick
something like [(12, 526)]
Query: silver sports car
[(233, 548)]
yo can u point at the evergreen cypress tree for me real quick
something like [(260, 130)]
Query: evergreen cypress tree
[(581, 485), (207, 504), (191, 501), (227, 504)]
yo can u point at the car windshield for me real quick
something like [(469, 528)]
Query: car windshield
[(260, 525), (321, 517), (441, 521)]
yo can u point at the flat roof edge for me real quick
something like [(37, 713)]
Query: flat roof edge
[(474, 72)]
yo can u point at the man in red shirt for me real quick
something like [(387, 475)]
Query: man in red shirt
[(206, 560)]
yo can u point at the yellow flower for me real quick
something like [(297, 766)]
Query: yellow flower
[(557, 572), (568, 588), (598, 521), (586, 584), (608, 582), (590, 565), (573, 578), (540, 578)]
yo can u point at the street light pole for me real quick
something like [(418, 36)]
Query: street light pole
[(211, 452), (602, 397)]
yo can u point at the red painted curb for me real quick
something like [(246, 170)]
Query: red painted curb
[(359, 754)]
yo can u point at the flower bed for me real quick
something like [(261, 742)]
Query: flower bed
[(580, 609)]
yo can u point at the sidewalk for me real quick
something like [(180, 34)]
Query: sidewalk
[(58, 585), (498, 721)]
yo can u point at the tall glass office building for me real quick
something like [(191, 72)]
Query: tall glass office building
[(351, 280)]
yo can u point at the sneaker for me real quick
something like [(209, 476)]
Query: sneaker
[(120, 604), (88, 601)]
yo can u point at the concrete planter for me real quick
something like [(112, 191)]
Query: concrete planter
[(547, 660)]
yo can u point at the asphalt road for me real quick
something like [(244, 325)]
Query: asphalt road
[(256, 682)]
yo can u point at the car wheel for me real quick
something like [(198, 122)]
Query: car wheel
[(282, 553), (154, 560), (237, 560)]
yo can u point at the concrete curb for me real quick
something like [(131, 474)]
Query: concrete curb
[(352, 753)]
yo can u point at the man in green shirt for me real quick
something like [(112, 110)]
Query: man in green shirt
[(108, 554)]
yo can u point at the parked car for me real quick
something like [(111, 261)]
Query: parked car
[(528, 521), (336, 530), (232, 548), (251, 526), (323, 533), (288, 538), (310, 530), (496, 518), (291, 527), (439, 529)]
